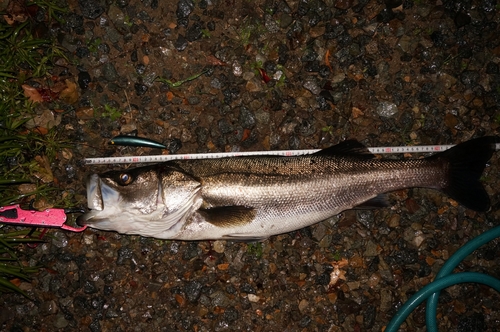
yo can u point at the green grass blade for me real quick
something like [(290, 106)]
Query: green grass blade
[(6, 286)]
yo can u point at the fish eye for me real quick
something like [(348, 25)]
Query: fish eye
[(125, 179)]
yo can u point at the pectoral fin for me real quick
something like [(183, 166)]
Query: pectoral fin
[(229, 216)]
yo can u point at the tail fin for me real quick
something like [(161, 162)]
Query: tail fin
[(466, 163)]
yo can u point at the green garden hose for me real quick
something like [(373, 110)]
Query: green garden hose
[(443, 280)]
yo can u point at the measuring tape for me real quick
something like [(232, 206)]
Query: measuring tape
[(285, 153)]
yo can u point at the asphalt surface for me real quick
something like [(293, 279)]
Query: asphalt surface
[(274, 75)]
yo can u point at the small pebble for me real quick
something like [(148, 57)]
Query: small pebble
[(218, 246), (253, 298), (311, 84), (303, 304), (60, 322), (387, 109)]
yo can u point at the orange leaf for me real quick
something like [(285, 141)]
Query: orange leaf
[(327, 61), (16, 281), (43, 171), (429, 260), (180, 299), (214, 61), (223, 266), (246, 134), (40, 130), (70, 94), (32, 94)]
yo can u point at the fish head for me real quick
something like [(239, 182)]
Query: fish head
[(116, 198), (149, 201)]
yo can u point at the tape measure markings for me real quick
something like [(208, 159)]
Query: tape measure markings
[(286, 153)]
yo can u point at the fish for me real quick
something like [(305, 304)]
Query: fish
[(251, 198)]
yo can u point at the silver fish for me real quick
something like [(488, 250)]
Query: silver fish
[(252, 198)]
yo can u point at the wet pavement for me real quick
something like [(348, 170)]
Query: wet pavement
[(274, 75)]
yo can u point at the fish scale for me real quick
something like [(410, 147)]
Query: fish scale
[(302, 193), (254, 197)]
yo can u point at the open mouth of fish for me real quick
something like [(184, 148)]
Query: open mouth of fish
[(105, 206), (97, 193)]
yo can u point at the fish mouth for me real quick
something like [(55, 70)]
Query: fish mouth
[(94, 193), (94, 200), (97, 194), (90, 218)]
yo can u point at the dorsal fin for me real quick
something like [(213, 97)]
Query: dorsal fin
[(347, 148)]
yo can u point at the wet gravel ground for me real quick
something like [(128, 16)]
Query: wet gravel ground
[(276, 75)]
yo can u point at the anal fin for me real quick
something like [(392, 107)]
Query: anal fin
[(228, 216), (379, 201)]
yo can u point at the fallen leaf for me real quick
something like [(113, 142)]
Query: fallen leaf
[(16, 282), (214, 61), (66, 154), (332, 297), (459, 307), (266, 143), (9, 20), (429, 260), (218, 310), (358, 77), (40, 130), (356, 112), (16, 11), (46, 119), (442, 210), (246, 134), (26, 188), (70, 94), (43, 171), (180, 300), (85, 113), (223, 266), (32, 94), (327, 60), (42, 204), (357, 261)]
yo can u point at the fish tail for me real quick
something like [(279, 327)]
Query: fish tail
[(466, 162)]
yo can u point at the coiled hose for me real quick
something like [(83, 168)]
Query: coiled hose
[(445, 279)]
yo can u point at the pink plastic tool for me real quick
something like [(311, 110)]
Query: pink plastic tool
[(14, 215)]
